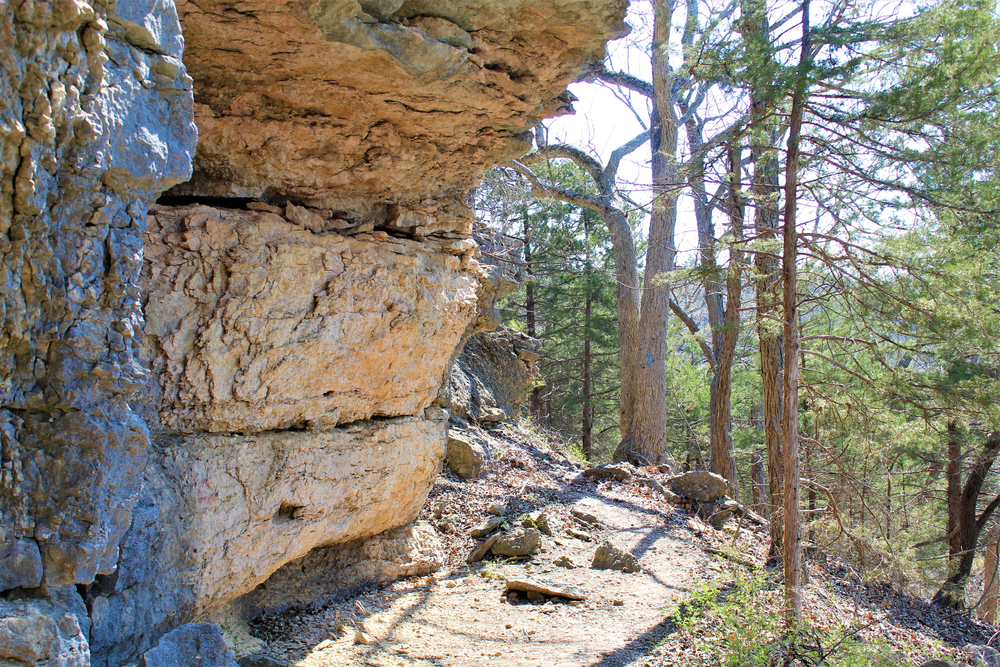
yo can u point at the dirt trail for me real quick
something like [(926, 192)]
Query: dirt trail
[(460, 616)]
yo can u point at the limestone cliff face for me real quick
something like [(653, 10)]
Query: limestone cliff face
[(200, 391), (96, 116)]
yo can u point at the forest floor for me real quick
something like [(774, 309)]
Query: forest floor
[(462, 616)]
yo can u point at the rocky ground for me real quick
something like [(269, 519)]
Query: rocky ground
[(467, 614)]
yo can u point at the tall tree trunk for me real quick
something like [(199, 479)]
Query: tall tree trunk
[(764, 189), (721, 422), (644, 441), (587, 442), (792, 552), (534, 404)]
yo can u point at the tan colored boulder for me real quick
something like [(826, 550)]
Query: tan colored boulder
[(466, 456), (610, 557), (517, 542), (699, 485)]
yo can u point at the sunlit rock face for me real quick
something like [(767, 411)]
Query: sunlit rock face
[(256, 323), (346, 103), (201, 388)]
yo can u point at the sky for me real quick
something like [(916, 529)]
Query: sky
[(603, 122)]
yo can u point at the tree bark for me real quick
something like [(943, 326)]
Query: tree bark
[(792, 552), (764, 190), (644, 441), (721, 421), (964, 536)]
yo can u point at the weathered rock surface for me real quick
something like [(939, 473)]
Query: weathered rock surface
[(392, 103), (699, 485), (282, 347), (255, 323), (610, 557), (546, 587), (224, 512), (413, 550), (480, 552), (487, 526), (45, 632), (621, 471), (191, 645), (96, 117), (467, 455), (517, 542), (492, 377)]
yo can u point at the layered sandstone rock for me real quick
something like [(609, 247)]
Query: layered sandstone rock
[(255, 323), (355, 104)]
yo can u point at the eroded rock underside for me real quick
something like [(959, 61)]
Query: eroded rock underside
[(203, 387)]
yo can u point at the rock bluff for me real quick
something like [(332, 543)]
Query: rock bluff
[(205, 385)]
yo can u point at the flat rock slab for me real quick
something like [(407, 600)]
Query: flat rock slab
[(546, 587), (619, 472), (480, 552), (487, 527)]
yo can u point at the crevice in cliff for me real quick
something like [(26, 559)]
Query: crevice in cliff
[(234, 203)]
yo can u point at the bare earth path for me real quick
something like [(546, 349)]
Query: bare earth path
[(460, 616)]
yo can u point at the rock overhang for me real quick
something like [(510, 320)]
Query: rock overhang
[(330, 101)]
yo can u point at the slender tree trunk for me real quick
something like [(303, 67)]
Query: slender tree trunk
[(764, 136), (759, 485), (534, 404), (587, 444), (722, 423), (991, 577), (792, 553)]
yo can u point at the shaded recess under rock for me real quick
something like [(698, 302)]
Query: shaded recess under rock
[(194, 398)]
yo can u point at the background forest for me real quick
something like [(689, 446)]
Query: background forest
[(830, 342)]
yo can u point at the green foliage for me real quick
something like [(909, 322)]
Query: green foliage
[(571, 265), (741, 625)]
